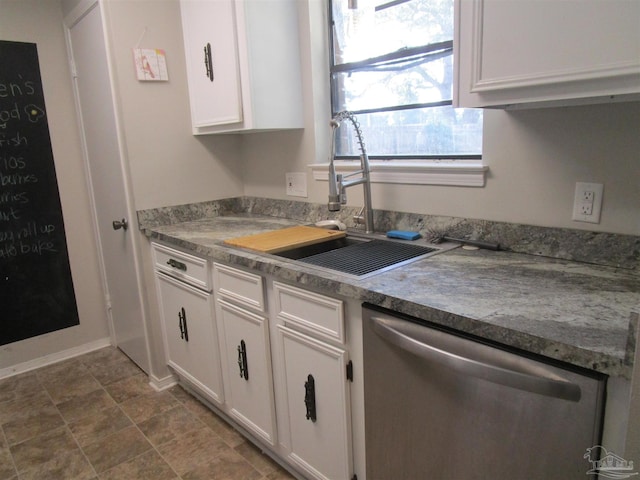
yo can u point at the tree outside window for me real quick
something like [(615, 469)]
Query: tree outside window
[(392, 66)]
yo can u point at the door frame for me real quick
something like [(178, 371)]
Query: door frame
[(83, 8)]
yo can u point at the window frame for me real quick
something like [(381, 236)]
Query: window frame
[(425, 159)]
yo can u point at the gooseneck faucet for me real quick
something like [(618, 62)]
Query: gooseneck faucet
[(339, 183)]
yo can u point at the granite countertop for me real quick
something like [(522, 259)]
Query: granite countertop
[(582, 314)]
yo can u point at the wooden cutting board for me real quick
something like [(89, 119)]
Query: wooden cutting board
[(285, 239)]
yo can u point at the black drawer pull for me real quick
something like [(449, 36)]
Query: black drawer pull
[(242, 360), (176, 264), (208, 62), (310, 398), (182, 322)]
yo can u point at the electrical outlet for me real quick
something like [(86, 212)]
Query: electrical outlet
[(586, 208), (587, 202), (296, 184), (588, 196)]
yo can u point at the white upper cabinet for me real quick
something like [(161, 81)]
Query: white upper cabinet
[(243, 65), (536, 52)]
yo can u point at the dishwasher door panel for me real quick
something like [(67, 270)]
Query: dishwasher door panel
[(426, 420)]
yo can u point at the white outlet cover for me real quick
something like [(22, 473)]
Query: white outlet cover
[(580, 199), (296, 184)]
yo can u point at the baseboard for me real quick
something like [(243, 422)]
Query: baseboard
[(160, 384), (54, 358)]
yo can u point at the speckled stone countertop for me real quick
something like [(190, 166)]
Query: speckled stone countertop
[(583, 314)]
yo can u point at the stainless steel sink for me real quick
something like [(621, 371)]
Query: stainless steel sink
[(299, 253), (359, 256)]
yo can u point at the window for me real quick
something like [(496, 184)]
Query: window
[(392, 66)]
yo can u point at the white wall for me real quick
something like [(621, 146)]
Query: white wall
[(169, 166), (535, 158), (40, 22)]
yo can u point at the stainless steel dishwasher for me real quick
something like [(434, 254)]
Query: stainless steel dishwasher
[(442, 406)]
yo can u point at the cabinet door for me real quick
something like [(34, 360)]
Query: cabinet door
[(209, 30), (531, 51), (318, 406), (190, 337), (248, 365)]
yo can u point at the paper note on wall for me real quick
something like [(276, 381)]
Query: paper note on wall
[(151, 64)]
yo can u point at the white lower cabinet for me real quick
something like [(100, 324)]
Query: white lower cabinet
[(247, 361), (317, 379), (317, 394), (280, 354), (190, 339)]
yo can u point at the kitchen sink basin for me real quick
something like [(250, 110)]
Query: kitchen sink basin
[(359, 257), (299, 253)]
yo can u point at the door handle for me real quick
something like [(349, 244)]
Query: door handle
[(118, 224), (457, 353)]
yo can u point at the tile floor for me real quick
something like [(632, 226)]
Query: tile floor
[(96, 417)]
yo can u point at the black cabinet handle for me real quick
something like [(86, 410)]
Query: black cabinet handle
[(310, 398), (176, 264), (182, 322), (208, 62), (242, 360)]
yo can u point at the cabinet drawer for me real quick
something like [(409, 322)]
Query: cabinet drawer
[(239, 286), (187, 268), (313, 313)]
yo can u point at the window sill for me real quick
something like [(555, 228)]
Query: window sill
[(463, 173)]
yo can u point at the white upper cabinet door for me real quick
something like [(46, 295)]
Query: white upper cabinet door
[(535, 52), (209, 30), (243, 65)]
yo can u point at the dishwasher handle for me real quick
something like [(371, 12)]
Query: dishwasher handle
[(448, 353)]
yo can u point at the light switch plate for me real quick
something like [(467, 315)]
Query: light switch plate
[(296, 184), (587, 202)]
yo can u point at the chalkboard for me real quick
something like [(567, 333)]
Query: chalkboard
[(36, 289)]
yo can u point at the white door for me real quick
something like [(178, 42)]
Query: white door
[(107, 178)]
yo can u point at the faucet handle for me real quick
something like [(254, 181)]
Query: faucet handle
[(359, 219)]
